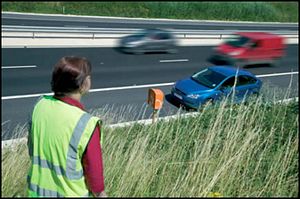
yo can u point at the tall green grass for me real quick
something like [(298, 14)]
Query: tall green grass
[(240, 11), (248, 150)]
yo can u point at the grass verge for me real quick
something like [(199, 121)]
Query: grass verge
[(232, 11)]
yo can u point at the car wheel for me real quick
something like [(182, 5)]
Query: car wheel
[(138, 51), (208, 103), (253, 97)]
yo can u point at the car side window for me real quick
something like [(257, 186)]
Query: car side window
[(162, 36), (153, 35), (229, 83), (245, 80), (165, 36), (255, 44)]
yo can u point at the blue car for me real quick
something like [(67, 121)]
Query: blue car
[(213, 84)]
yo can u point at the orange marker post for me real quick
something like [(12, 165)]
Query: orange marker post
[(155, 99)]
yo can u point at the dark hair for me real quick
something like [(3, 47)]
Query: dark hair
[(69, 74)]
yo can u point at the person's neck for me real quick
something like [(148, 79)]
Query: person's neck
[(76, 96)]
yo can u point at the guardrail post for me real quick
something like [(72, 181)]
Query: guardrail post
[(220, 36), (93, 35), (32, 35)]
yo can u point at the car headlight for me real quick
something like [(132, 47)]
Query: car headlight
[(131, 44), (193, 96), (235, 53)]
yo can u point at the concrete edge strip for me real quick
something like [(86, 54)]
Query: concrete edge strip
[(167, 118), (14, 142)]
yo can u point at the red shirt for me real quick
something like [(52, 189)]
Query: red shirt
[(92, 163)]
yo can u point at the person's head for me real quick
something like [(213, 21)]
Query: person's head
[(71, 74)]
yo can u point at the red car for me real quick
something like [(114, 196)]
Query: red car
[(247, 48)]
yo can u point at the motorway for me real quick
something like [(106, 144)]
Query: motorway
[(114, 69), (120, 82)]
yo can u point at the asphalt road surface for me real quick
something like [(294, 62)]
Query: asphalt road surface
[(27, 71)]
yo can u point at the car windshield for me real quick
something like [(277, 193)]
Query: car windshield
[(143, 33), (140, 34), (237, 41), (208, 78)]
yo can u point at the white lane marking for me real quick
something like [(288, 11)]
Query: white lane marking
[(129, 87), (9, 67), (25, 96), (277, 74), (175, 60)]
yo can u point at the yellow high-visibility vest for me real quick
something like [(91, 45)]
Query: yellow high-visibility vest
[(58, 137)]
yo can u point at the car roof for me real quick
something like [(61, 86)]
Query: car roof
[(156, 30), (258, 35), (229, 70)]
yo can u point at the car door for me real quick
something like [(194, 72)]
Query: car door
[(159, 41), (245, 87), (256, 53), (227, 87), (151, 41), (148, 41), (165, 41)]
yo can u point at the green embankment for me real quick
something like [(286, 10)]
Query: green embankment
[(235, 151), (232, 11)]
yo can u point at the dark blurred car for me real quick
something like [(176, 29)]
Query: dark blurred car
[(248, 48), (149, 40)]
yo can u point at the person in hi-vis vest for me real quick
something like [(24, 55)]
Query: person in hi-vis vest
[(64, 141)]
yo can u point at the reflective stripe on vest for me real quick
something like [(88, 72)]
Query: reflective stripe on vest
[(45, 192), (70, 171)]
